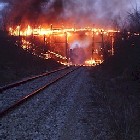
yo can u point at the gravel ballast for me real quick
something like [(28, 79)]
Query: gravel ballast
[(71, 109)]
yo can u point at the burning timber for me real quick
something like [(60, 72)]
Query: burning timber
[(68, 46)]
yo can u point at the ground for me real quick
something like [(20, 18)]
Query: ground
[(16, 63), (94, 103), (79, 107), (122, 97)]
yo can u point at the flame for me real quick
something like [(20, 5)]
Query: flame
[(92, 62), (29, 31), (46, 31)]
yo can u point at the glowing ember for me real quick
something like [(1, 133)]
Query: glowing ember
[(46, 31), (68, 46), (90, 62)]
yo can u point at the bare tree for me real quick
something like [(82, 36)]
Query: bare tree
[(134, 20), (4, 18)]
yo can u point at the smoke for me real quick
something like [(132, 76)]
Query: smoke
[(22, 11), (80, 49), (95, 12), (77, 52), (84, 43), (79, 12)]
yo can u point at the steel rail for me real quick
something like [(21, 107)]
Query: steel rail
[(30, 95), (28, 80)]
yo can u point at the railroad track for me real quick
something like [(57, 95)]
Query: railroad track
[(28, 80), (42, 81)]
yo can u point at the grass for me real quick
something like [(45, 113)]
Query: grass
[(119, 81), (16, 64)]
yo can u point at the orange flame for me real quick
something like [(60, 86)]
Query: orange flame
[(46, 31)]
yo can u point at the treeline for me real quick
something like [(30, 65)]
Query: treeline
[(126, 60), (119, 80), (130, 30)]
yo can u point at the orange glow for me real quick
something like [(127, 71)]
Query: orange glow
[(92, 62), (57, 42), (46, 31), (29, 30)]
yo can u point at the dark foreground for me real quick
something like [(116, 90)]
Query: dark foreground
[(119, 81), (82, 106), (16, 63), (100, 103), (122, 97), (63, 111)]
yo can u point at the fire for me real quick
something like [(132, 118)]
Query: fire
[(41, 42), (40, 31), (25, 44), (29, 31), (92, 62)]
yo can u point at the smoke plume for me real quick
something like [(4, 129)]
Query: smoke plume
[(79, 12)]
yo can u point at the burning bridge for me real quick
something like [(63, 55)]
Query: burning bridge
[(69, 46)]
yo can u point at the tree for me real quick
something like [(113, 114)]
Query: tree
[(134, 21), (4, 18)]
